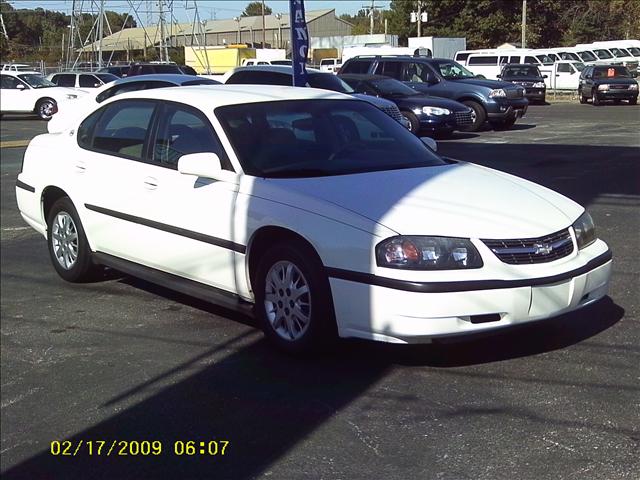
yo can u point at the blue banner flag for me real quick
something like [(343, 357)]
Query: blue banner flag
[(299, 42)]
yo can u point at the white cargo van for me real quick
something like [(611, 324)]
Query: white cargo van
[(489, 65)]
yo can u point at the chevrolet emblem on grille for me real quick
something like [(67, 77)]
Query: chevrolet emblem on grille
[(542, 248)]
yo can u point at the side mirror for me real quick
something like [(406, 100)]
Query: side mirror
[(588, 77), (545, 76), (206, 165), (430, 142), (498, 76), (20, 86)]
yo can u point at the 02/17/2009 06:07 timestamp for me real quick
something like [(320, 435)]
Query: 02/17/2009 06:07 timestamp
[(187, 448)]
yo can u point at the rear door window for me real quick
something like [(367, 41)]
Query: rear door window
[(390, 69), (357, 66), (89, 81), (483, 60), (122, 128), (65, 80)]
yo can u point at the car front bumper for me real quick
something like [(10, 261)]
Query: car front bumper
[(507, 109), (437, 124), (617, 94), (390, 314)]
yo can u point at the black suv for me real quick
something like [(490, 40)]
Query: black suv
[(150, 68), (499, 102), (607, 82), (527, 76)]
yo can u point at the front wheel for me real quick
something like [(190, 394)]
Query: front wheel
[(293, 299), (633, 101), (45, 108), (68, 246), (594, 99), (504, 124), (478, 116), (412, 121)]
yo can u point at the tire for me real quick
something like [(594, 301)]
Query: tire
[(44, 108), (310, 328), (413, 121), (633, 101), (478, 115), (594, 99), (68, 246), (504, 125), (582, 98)]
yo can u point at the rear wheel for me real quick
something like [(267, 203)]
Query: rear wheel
[(412, 120), (293, 299), (45, 108), (478, 116), (68, 246)]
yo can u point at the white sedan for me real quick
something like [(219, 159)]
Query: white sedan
[(30, 92), (316, 211)]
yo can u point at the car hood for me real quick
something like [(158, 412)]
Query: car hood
[(459, 200), (523, 79), (428, 101), (376, 101), (484, 83)]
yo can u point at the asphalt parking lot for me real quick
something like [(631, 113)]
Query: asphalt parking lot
[(123, 360)]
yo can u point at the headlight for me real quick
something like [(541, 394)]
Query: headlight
[(71, 96), (435, 111), (498, 92), (539, 85), (604, 87), (633, 87), (585, 230), (427, 253)]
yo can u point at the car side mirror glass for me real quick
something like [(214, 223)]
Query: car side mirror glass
[(430, 142), (206, 165), (545, 76)]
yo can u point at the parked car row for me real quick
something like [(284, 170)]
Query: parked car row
[(310, 209)]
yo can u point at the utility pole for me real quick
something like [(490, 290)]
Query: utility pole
[(100, 34), (263, 28), (161, 25), (419, 19), (524, 23), (4, 29), (371, 12)]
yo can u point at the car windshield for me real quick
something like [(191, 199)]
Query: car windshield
[(579, 66), (545, 59), (603, 54), (521, 71), (452, 70), (587, 56), (611, 72), (328, 81), (392, 87), (317, 138), (619, 52), (36, 81), (634, 51), (570, 56)]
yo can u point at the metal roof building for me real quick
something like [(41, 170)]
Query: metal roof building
[(248, 30)]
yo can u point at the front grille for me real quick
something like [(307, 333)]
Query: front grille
[(523, 251), (514, 93), (619, 87), (394, 112), (524, 84), (463, 118)]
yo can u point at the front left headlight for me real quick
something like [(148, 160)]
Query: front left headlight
[(71, 96), (585, 230), (437, 111), (603, 88), (633, 87), (427, 253), (539, 85), (498, 92)]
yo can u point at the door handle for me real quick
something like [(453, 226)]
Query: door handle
[(81, 167), (150, 183)]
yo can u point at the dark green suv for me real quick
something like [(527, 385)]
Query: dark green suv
[(607, 82)]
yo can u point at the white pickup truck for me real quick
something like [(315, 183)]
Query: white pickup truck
[(331, 65)]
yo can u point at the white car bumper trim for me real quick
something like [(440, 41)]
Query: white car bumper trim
[(463, 286)]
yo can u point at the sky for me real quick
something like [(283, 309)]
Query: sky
[(207, 9)]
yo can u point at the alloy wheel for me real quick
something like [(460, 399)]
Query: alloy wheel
[(65, 240)]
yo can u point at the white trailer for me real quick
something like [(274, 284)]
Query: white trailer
[(440, 47)]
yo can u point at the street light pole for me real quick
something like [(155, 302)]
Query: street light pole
[(524, 23)]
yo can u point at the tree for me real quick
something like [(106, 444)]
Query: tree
[(254, 9)]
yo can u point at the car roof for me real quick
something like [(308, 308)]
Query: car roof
[(288, 69), (213, 96), (20, 72), (176, 78)]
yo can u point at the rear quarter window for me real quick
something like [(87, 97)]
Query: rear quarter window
[(357, 66)]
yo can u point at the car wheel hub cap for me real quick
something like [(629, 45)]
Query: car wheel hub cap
[(47, 109), (287, 301), (65, 240), (473, 115)]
